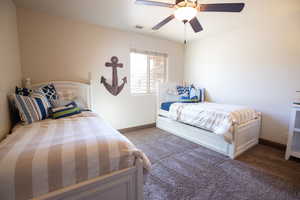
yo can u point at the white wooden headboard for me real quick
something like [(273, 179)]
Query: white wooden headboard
[(166, 92), (69, 90)]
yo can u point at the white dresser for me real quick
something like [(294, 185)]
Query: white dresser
[(293, 145)]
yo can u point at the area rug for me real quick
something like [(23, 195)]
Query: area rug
[(182, 170)]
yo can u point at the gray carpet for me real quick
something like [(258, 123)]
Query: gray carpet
[(182, 170)]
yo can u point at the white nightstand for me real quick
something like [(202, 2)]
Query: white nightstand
[(293, 145)]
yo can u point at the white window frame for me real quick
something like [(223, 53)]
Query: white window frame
[(149, 53)]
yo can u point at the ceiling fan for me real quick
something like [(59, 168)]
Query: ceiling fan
[(186, 11)]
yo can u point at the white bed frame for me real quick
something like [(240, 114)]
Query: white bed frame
[(245, 135), (126, 184)]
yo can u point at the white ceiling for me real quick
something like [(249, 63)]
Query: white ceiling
[(125, 15)]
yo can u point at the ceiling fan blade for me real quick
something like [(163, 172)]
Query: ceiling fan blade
[(222, 7), (154, 3), (196, 25), (165, 21), (178, 1)]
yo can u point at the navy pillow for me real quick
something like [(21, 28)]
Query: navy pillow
[(64, 111), (23, 91), (166, 105)]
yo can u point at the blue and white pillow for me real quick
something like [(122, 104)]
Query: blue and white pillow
[(191, 93), (197, 94), (50, 92), (23, 91), (194, 93), (79, 102), (32, 108), (183, 92)]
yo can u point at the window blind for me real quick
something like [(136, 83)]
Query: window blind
[(146, 70)]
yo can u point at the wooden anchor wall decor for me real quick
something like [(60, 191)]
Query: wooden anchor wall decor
[(114, 89)]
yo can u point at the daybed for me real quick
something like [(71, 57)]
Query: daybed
[(239, 137)]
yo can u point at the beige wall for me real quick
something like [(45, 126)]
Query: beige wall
[(55, 48), (10, 69), (257, 64)]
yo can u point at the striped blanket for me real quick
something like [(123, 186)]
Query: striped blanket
[(51, 154), (217, 118)]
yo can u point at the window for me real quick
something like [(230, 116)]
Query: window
[(146, 70)]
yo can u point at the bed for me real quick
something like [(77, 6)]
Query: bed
[(52, 159), (186, 120)]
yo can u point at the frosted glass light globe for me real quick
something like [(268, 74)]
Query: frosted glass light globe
[(185, 13)]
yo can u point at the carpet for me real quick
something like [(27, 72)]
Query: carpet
[(182, 170)]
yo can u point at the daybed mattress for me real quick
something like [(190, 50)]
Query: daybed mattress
[(51, 154), (217, 118)]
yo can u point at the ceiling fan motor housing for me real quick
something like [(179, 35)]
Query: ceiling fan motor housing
[(186, 3)]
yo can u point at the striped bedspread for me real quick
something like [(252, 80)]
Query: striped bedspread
[(217, 118), (48, 155)]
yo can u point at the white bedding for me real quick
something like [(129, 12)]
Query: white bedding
[(217, 118)]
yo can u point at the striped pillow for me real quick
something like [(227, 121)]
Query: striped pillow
[(31, 109), (65, 111)]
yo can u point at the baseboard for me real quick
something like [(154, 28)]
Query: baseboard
[(245, 147), (276, 145), (136, 128)]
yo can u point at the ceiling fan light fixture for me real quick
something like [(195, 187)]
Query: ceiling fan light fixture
[(185, 13)]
